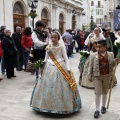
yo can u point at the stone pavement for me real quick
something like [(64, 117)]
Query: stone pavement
[(15, 97)]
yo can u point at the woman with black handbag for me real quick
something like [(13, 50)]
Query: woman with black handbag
[(10, 53)]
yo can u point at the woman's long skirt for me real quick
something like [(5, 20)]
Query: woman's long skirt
[(84, 78), (53, 94)]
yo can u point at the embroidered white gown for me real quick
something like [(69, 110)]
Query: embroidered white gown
[(52, 92)]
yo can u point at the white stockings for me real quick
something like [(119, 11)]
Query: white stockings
[(97, 101)]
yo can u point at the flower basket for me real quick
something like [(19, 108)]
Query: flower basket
[(32, 15)]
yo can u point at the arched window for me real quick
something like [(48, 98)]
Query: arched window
[(61, 23), (44, 14), (18, 15), (61, 17), (18, 8), (92, 3)]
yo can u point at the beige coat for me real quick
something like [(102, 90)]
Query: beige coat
[(93, 69)]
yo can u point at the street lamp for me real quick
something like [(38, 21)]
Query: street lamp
[(33, 4), (74, 12), (91, 22)]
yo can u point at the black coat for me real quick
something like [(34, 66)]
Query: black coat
[(17, 39), (1, 35), (78, 38), (112, 36), (10, 54)]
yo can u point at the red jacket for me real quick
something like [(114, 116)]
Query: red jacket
[(82, 38), (26, 41), (0, 49)]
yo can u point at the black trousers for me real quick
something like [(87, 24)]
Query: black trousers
[(10, 72), (20, 58)]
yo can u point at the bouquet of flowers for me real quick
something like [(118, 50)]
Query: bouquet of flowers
[(39, 64), (84, 53), (117, 44)]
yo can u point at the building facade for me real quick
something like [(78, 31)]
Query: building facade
[(59, 14), (99, 10)]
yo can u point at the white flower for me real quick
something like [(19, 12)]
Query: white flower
[(117, 41), (88, 52)]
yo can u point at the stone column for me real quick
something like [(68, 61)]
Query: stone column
[(54, 16), (2, 21), (69, 22), (8, 13), (78, 21)]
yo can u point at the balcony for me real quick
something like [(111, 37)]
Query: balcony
[(101, 6)]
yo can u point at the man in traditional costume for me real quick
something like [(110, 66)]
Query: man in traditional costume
[(99, 71)]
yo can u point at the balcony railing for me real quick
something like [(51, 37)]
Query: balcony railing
[(101, 6)]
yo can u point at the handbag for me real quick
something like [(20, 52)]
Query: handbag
[(30, 67)]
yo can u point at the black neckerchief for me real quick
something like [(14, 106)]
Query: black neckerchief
[(39, 35)]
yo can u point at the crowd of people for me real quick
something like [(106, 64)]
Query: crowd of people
[(57, 82)]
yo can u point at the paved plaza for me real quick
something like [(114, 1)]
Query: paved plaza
[(15, 97)]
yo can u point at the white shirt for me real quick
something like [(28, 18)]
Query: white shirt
[(60, 54), (36, 41)]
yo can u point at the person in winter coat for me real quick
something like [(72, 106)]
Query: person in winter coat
[(0, 56), (10, 54)]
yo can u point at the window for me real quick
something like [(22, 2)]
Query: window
[(44, 14), (18, 8), (100, 12), (100, 21), (61, 17), (92, 3), (98, 3)]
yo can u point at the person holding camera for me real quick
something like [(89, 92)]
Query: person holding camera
[(38, 37)]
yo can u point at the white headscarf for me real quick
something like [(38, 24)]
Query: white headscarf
[(60, 40), (101, 31), (100, 34), (88, 39), (94, 36)]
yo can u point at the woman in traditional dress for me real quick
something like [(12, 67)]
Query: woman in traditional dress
[(56, 91), (91, 43)]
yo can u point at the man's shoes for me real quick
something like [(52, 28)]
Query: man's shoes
[(14, 76), (9, 77), (103, 110), (96, 114)]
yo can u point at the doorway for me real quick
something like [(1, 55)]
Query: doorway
[(18, 16)]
